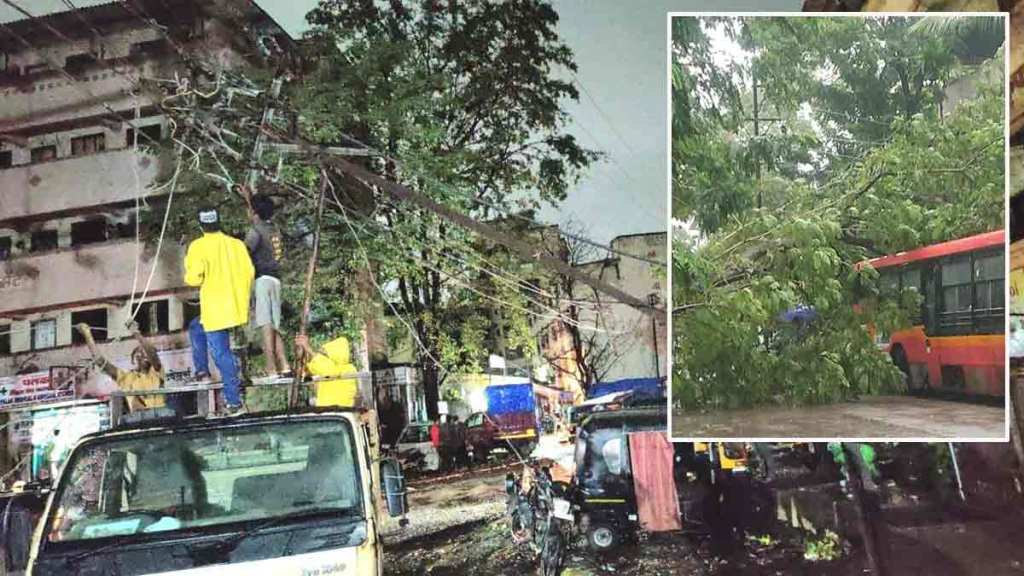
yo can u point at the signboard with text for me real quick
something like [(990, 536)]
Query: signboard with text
[(30, 389)]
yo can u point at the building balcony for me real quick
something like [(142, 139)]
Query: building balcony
[(70, 184), (86, 274)]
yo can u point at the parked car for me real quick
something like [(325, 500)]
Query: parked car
[(414, 449)]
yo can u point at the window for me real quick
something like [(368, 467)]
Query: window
[(36, 68), (89, 144), (147, 135), (189, 311), (603, 462), (6, 243), (95, 318), (44, 153), (988, 277), (153, 318), (89, 232), (43, 240), (44, 334), (78, 63), (911, 278), (889, 282), (209, 479), (150, 47), (5, 338), (956, 285), (6, 159)]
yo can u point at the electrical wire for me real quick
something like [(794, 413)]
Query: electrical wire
[(383, 295), (512, 215), (554, 314), (160, 241)]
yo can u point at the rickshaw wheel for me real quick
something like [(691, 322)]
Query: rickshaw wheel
[(602, 537)]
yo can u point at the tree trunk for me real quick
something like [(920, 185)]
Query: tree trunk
[(430, 388)]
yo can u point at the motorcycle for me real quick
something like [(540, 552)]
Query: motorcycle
[(542, 515)]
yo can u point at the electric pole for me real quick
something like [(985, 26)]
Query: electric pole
[(757, 140)]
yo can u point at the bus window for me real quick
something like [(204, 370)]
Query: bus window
[(956, 293), (912, 279), (889, 282), (989, 300)]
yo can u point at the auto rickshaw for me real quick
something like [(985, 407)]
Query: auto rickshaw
[(604, 489)]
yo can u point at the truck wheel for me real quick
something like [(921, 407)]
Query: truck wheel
[(602, 537)]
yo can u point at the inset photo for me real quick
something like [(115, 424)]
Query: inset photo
[(838, 190)]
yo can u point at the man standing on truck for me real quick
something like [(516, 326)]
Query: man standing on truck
[(220, 266), (147, 374), (264, 243), (332, 362)]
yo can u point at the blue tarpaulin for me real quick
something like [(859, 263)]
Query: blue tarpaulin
[(649, 387), (800, 314), (509, 398)]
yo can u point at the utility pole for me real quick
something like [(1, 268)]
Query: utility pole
[(653, 299), (757, 139)]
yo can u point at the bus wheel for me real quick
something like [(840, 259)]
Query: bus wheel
[(602, 537)]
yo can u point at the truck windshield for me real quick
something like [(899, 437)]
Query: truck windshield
[(201, 478)]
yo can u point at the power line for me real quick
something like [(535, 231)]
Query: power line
[(383, 295), (557, 314), (513, 215), (552, 311), (604, 116)]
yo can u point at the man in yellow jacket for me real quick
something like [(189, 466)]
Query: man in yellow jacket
[(220, 266), (333, 361)]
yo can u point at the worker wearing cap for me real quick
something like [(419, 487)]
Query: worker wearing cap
[(333, 361), (220, 267)]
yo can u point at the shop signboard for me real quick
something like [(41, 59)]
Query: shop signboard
[(46, 434), (30, 389)]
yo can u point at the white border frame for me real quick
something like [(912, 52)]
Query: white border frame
[(670, 348)]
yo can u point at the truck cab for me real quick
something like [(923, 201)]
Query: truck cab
[(275, 493)]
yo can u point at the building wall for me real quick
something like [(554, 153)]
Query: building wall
[(53, 274), (619, 340), (637, 341)]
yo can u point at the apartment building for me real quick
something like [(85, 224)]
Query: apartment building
[(616, 340), (76, 171)]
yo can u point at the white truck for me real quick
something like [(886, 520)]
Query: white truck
[(295, 493)]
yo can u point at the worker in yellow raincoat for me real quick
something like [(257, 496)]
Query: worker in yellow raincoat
[(220, 266), (333, 360)]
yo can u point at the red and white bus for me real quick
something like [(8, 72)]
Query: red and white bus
[(957, 342)]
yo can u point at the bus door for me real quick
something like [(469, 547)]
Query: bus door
[(930, 277)]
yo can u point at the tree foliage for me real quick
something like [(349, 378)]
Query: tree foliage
[(863, 160), (460, 101)]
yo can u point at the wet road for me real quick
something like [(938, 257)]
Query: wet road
[(890, 417)]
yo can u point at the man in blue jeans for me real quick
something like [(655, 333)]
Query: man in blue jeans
[(220, 267)]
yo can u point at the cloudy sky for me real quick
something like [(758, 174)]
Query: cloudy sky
[(622, 111)]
